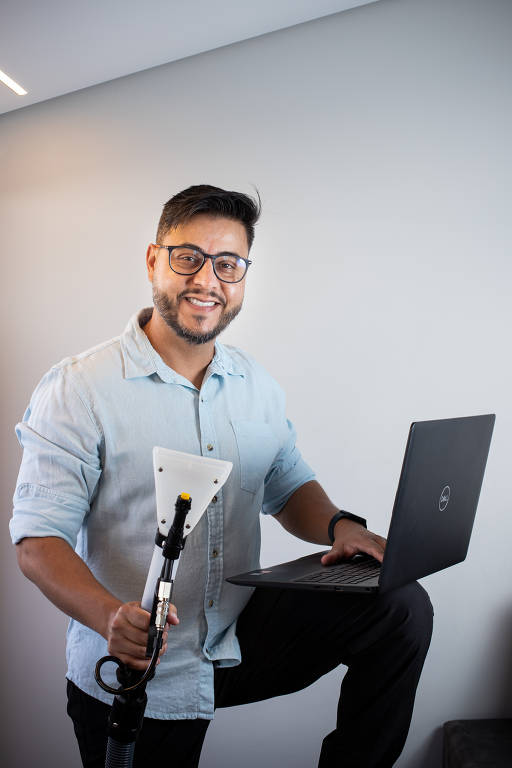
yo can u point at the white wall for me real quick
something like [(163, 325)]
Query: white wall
[(380, 137)]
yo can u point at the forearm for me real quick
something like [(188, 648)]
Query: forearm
[(67, 582), (307, 513)]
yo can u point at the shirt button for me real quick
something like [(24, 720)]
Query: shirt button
[(210, 604), (215, 553), (210, 447), (214, 500)]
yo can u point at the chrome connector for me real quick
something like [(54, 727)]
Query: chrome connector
[(162, 608)]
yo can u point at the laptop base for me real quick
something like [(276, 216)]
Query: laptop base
[(303, 574)]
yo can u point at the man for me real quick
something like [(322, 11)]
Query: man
[(84, 518)]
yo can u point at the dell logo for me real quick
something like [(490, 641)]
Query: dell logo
[(444, 498)]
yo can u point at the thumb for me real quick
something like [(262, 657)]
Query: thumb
[(172, 616)]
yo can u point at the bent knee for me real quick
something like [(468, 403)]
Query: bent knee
[(412, 612)]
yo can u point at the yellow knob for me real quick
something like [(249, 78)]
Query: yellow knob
[(185, 496)]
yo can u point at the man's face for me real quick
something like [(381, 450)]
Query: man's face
[(198, 307)]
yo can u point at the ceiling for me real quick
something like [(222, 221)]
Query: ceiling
[(52, 47)]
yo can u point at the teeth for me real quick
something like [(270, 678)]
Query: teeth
[(200, 303)]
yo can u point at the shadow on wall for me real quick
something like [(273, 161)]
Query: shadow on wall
[(489, 693), (430, 754), (504, 677), (492, 672)]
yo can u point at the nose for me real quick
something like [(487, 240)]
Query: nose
[(206, 277)]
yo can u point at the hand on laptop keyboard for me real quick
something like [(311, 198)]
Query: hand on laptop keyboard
[(350, 538)]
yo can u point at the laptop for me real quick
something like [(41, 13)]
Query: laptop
[(431, 523)]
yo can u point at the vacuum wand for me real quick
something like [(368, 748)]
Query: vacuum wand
[(127, 713), (172, 547)]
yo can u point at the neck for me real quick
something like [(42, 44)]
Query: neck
[(189, 360)]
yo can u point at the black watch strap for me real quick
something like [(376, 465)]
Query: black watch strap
[(338, 516)]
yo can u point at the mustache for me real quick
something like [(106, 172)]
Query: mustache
[(202, 296)]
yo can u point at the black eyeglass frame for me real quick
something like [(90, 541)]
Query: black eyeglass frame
[(170, 249)]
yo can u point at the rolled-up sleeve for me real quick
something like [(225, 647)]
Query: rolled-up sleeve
[(288, 472), (61, 463)]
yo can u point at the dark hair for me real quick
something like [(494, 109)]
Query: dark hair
[(212, 201)]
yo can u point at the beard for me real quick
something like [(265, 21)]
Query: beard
[(168, 310)]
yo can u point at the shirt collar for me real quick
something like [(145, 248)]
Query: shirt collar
[(141, 359), (225, 362)]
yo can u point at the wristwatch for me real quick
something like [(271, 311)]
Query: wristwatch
[(338, 516)]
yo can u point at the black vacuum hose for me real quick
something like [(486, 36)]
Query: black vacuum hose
[(119, 755)]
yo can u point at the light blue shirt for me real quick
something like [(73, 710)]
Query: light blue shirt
[(87, 477)]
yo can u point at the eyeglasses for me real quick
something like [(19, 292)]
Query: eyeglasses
[(185, 260)]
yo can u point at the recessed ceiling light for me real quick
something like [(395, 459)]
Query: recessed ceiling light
[(12, 84)]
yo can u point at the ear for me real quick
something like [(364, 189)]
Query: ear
[(151, 255)]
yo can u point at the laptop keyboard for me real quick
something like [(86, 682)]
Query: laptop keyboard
[(343, 573)]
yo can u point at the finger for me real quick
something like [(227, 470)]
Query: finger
[(122, 625), (375, 552), (172, 616), (379, 540), (136, 616), (131, 622), (331, 557), (373, 547), (124, 631), (122, 647)]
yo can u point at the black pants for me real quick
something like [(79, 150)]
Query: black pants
[(289, 639)]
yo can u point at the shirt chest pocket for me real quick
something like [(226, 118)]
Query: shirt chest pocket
[(257, 448)]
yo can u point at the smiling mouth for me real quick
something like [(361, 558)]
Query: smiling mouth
[(198, 303), (206, 304)]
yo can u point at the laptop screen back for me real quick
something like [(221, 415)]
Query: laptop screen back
[(437, 497)]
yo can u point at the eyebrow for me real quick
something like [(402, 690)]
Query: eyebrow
[(197, 248)]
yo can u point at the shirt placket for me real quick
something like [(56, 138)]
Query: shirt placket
[(210, 449)]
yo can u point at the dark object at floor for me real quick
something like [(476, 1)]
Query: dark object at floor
[(477, 744)]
